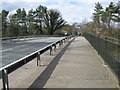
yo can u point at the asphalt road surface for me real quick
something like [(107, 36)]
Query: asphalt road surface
[(16, 50)]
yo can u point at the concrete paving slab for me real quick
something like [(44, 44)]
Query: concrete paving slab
[(81, 67)]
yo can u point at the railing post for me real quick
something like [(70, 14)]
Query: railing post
[(5, 79), (55, 48), (24, 38), (105, 50), (60, 44), (98, 46), (11, 39), (18, 38), (38, 59), (64, 40), (67, 39), (118, 47), (51, 50)]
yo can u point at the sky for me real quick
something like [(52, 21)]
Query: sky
[(73, 11)]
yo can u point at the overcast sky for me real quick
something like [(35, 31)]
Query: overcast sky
[(71, 10)]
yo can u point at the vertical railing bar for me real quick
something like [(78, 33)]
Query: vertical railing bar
[(106, 50), (118, 46)]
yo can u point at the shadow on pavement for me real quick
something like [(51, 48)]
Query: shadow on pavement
[(45, 75)]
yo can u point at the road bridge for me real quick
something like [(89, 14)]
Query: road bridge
[(77, 65)]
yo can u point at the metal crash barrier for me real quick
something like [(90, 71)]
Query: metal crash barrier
[(18, 63)]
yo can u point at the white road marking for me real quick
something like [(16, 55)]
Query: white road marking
[(13, 48), (50, 39)]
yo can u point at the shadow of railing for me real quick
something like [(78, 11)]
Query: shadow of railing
[(43, 78)]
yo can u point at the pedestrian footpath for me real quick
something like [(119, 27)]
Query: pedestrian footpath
[(80, 67)]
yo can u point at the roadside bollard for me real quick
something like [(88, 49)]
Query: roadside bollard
[(38, 59)]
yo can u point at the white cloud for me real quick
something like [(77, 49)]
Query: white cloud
[(23, 1), (71, 10), (87, 1)]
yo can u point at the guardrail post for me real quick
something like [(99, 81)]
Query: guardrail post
[(63, 40), (38, 59), (24, 38), (60, 44), (67, 39), (51, 50), (11, 39), (18, 38), (55, 47), (5, 79)]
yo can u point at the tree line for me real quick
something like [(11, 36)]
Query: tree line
[(35, 22), (106, 21)]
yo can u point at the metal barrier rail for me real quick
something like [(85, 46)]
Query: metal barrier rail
[(110, 39), (16, 64), (21, 37), (109, 49)]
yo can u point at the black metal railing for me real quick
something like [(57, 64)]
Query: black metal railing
[(109, 49), (18, 63)]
